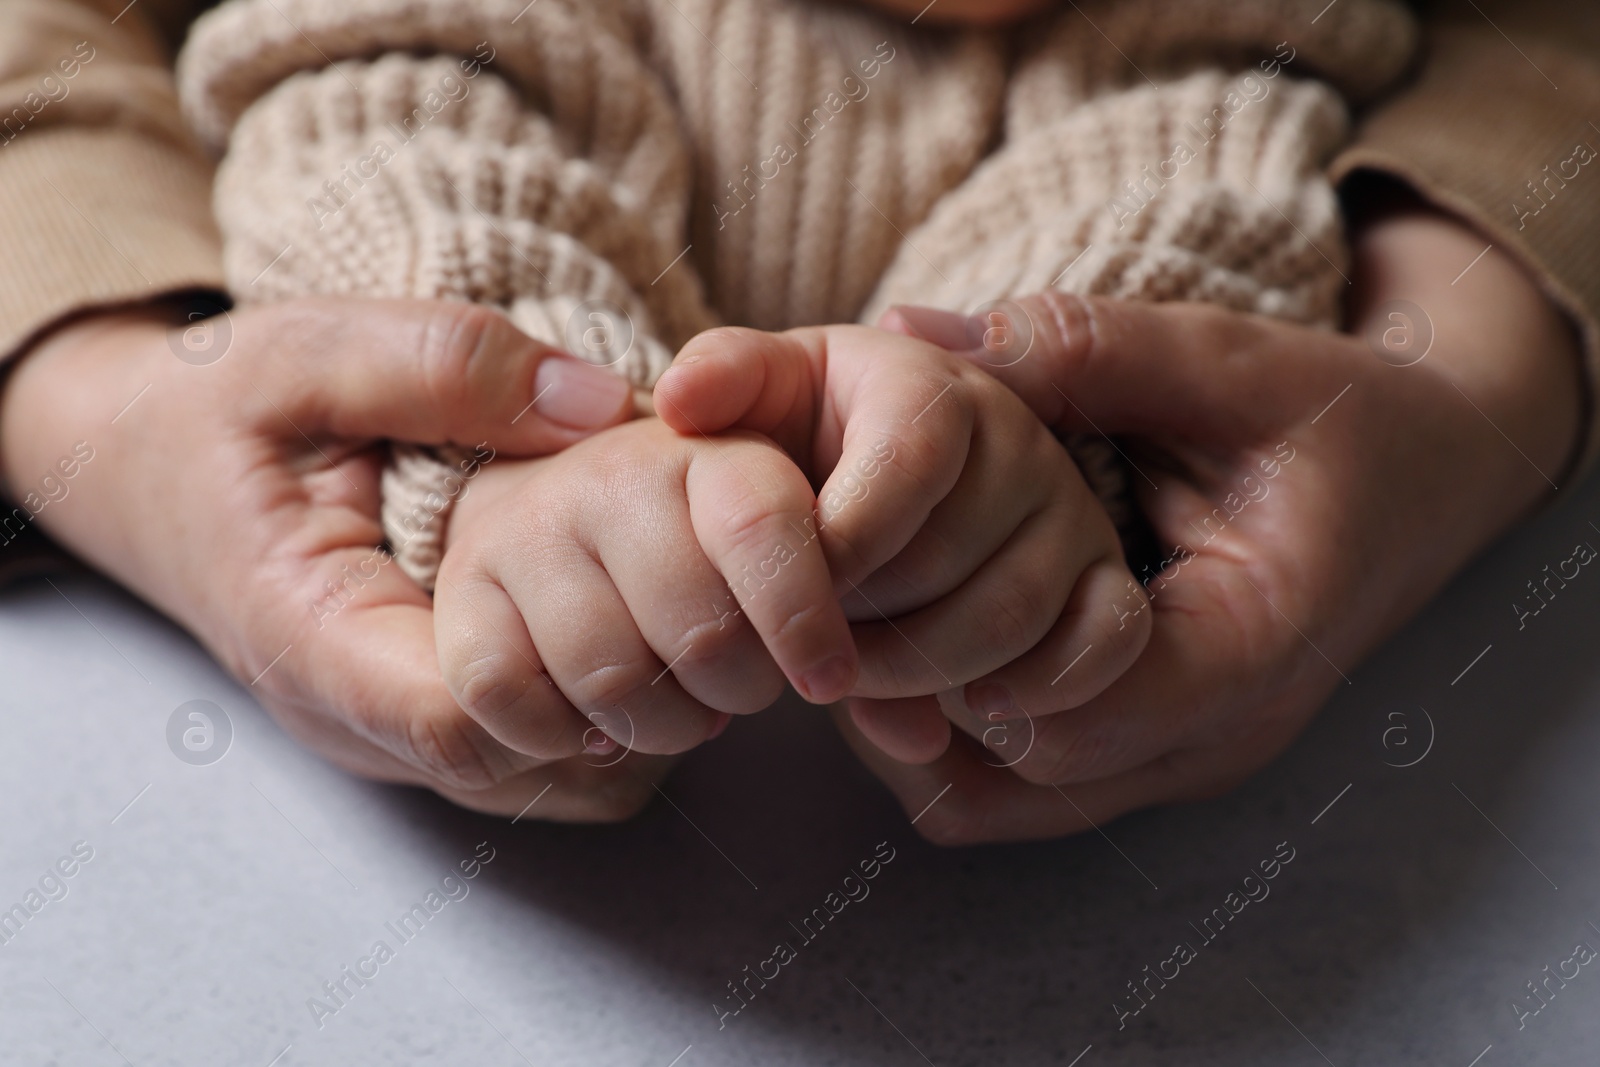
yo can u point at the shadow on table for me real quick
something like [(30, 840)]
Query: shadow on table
[(1025, 953)]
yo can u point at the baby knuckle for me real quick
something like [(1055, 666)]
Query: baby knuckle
[(707, 645), (486, 687), (754, 527), (609, 686), (796, 619)]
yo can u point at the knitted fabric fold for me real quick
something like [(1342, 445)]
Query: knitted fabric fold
[(1209, 188), (671, 164), (436, 176)]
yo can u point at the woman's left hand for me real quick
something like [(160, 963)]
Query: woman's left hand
[(1311, 491)]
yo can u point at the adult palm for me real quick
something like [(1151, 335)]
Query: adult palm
[(1310, 494)]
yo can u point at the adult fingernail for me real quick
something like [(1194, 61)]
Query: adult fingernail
[(990, 699), (578, 396), (943, 328), (827, 682), (723, 719)]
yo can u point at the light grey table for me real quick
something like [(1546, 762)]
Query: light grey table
[(220, 898)]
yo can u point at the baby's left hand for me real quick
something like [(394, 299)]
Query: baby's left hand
[(967, 549)]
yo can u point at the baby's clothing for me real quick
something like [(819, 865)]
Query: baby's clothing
[(617, 175)]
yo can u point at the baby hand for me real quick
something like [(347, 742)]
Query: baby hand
[(963, 541), (592, 586)]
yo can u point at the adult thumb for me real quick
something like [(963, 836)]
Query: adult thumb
[(1110, 366), (427, 371)]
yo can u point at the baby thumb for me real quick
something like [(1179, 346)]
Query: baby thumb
[(736, 378)]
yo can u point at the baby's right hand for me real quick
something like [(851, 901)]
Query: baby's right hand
[(962, 539), (593, 587)]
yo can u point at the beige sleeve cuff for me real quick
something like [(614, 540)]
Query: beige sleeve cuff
[(98, 217), (1487, 132)]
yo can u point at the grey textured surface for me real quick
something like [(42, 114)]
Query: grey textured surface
[(218, 903)]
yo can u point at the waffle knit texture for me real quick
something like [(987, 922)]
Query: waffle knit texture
[(773, 163)]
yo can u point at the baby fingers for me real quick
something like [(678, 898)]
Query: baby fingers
[(751, 508), (494, 673), (1010, 603), (1105, 626)]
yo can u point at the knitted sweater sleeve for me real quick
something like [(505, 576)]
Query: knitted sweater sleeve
[(103, 193), (1134, 170), (519, 156), (1498, 126)]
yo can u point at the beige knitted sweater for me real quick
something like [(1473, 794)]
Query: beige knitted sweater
[(620, 174)]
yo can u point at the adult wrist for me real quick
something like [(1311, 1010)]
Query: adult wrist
[(1481, 325), (45, 375)]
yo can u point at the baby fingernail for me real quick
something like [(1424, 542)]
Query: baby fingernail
[(990, 700), (829, 681), (576, 395), (943, 328), (723, 719), (596, 743)]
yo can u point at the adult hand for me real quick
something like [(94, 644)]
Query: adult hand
[(1310, 494), (237, 489)]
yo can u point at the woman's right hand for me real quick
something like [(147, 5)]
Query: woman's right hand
[(1414, 444), (233, 482)]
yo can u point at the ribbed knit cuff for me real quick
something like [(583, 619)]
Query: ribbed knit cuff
[(98, 217), (1477, 91), (420, 488)]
